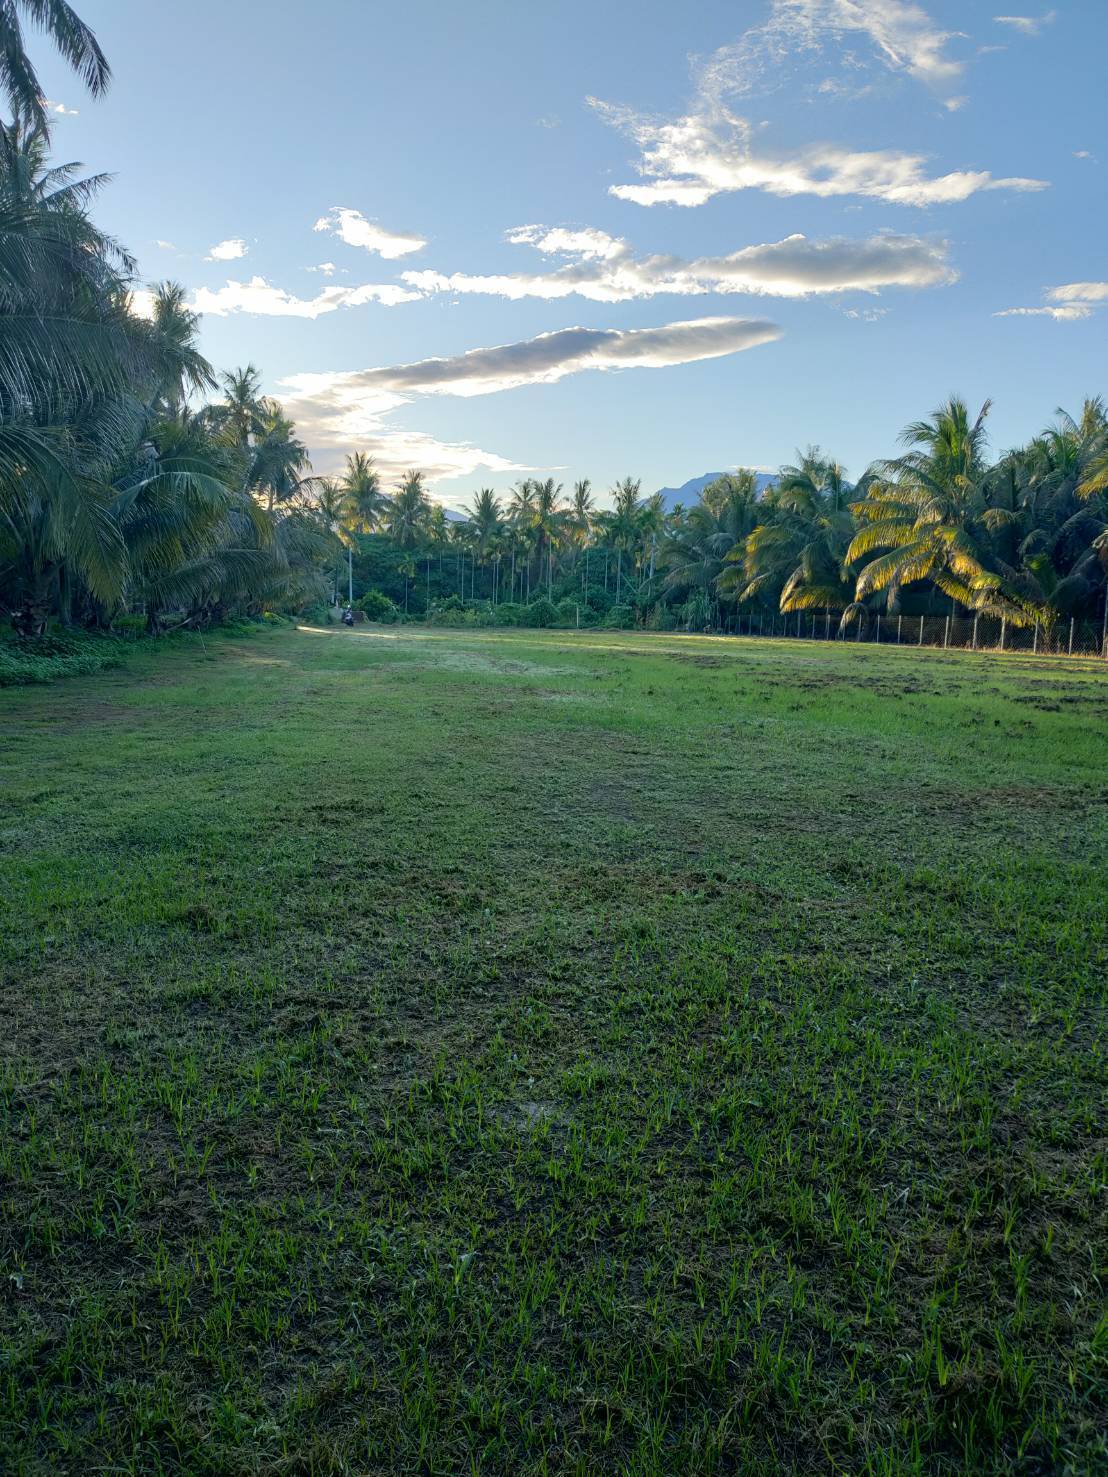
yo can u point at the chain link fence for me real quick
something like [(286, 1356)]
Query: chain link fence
[(975, 633)]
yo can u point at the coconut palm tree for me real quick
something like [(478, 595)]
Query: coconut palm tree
[(366, 503), (797, 555), (406, 522), (74, 39), (484, 523), (622, 524), (547, 520), (521, 523), (696, 552), (925, 516)]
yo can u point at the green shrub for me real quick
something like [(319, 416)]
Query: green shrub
[(377, 607), (131, 626), (24, 662), (619, 618), (541, 612), (662, 618)]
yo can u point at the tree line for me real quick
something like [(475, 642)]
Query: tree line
[(938, 529)]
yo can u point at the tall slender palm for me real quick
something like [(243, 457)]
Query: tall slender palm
[(579, 522), (72, 37), (277, 463), (521, 520), (366, 503), (175, 322), (622, 523), (242, 413), (484, 522), (548, 520), (406, 522)]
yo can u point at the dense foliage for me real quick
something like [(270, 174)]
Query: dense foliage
[(939, 529)]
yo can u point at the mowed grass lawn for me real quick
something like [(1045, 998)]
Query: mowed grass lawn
[(518, 1052)]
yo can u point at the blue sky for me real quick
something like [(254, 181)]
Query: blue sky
[(857, 188)]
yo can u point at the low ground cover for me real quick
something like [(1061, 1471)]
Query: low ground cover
[(515, 1051)]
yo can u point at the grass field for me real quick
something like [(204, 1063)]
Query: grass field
[(513, 1052)]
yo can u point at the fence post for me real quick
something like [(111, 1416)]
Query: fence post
[(798, 624), (1104, 628), (879, 628), (1069, 652), (1035, 639), (827, 627), (976, 618), (1003, 629), (920, 641), (899, 623), (946, 634)]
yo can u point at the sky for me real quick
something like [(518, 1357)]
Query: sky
[(614, 239)]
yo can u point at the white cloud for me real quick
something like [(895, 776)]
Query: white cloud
[(327, 268), (866, 315), (604, 268), (227, 251), (62, 111), (713, 148), (1086, 292), (709, 153), (352, 227), (1084, 154), (342, 409), (164, 245), (1064, 315), (903, 36), (261, 297), (1029, 25), (1069, 303)]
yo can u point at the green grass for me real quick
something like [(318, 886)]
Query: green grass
[(517, 1052)]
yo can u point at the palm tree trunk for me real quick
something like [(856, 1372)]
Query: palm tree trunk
[(34, 610)]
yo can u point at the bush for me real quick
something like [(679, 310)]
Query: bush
[(662, 618), (619, 618), (696, 613), (541, 612), (26, 661), (131, 626), (377, 607)]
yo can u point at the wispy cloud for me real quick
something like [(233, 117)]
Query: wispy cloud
[(164, 245), (714, 147), (866, 315), (227, 251), (261, 297), (327, 268), (712, 151), (61, 110), (1028, 25), (352, 227), (604, 268), (345, 408), (1069, 303), (903, 36), (1085, 154)]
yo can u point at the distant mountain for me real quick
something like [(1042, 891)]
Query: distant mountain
[(689, 492)]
